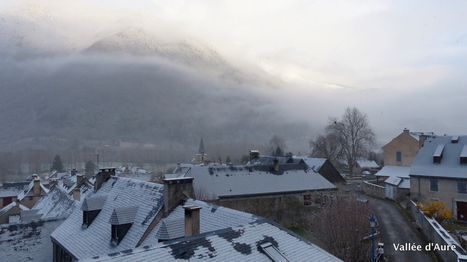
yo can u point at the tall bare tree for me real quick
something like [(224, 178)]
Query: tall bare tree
[(327, 146), (343, 227), (354, 134)]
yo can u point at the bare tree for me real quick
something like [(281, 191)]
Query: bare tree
[(354, 135), (327, 146), (342, 226)]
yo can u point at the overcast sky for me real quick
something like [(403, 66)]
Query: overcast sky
[(403, 63)]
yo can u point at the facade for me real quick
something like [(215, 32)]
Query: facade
[(439, 172), (402, 149)]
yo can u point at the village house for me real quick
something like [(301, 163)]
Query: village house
[(274, 187), (396, 181), (9, 192), (127, 219), (439, 171), (401, 150)]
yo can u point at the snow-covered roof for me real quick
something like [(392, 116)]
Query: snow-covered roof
[(29, 190), (314, 163), (212, 218), (222, 181), (8, 207), (365, 163), (95, 239), (417, 135), (27, 241), (250, 242), (56, 204), (394, 171), (449, 164)]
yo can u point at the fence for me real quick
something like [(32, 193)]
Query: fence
[(373, 190), (439, 239)]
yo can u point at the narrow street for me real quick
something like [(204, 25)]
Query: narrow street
[(396, 229)]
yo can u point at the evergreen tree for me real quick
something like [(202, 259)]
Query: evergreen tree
[(57, 164)]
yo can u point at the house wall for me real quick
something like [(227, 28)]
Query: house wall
[(286, 210), (447, 191), (4, 201), (30, 201), (4, 219), (404, 143)]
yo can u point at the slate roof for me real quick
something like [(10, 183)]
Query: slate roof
[(240, 243), (212, 217), (123, 215), (417, 135), (95, 239), (232, 181), (56, 204), (94, 203), (449, 166), (12, 189), (30, 192), (27, 241)]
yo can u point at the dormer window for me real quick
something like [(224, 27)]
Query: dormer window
[(91, 207), (438, 155), (463, 156), (121, 220)]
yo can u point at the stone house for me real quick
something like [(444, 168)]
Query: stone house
[(401, 150), (439, 172)]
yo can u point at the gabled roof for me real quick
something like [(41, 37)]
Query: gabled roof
[(449, 166), (365, 163), (249, 242), (56, 204), (10, 206), (394, 171), (123, 215), (95, 239), (94, 203), (232, 181), (30, 192)]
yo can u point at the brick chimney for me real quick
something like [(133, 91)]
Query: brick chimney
[(37, 186), (174, 189), (192, 220), (103, 175), (276, 164)]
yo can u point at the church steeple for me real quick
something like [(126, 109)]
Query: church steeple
[(201, 156), (201, 150)]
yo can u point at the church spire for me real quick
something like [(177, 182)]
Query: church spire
[(201, 150)]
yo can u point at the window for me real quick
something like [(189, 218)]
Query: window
[(398, 156), (434, 185), (461, 187)]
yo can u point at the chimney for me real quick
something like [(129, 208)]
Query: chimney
[(253, 154), (73, 172), (276, 164), (406, 131), (174, 189), (77, 193), (192, 220), (421, 140), (37, 187), (79, 180), (102, 177), (52, 182)]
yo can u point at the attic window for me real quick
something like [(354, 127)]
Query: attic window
[(121, 219), (463, 156), (455, 139), (438, 155), (91, 207), (272, 252)]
